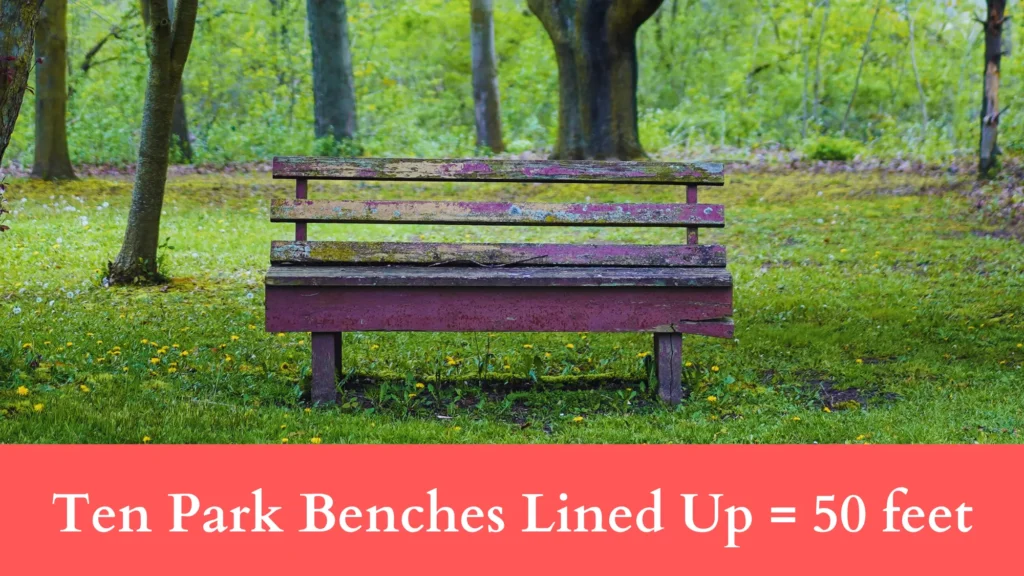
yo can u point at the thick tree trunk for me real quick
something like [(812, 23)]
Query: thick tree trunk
[(179, 123), (988, 146), (168, 51), (52, 161), (486, 102), (595, 47), (17, 30), (334, 99)]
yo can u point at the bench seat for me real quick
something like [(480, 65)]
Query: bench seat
[(523, 276)]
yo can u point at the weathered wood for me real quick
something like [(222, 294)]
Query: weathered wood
[(538, 276), (300, 194), (691, 232), (497, 213), (668, 365), (416, 253), (324, 368), (457, 309), (491, 170)]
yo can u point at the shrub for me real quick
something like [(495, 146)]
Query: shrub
[(828, 148)]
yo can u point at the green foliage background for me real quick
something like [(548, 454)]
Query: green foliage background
[(731, 74)]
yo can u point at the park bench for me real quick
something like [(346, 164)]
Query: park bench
[(327, 288)]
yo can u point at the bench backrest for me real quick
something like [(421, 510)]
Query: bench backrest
[(689, 214)]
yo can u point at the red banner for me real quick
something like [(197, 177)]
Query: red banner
[(510, 509)]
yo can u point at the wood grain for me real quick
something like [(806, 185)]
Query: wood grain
[(496, 213), (492, 170), (426, 253), (539, 276)]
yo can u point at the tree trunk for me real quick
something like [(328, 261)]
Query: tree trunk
[(988, 147), (334, 99), (860, 69), (595, 47), (168, 52), (486, 102), (179, 123), (17, 31), (52, 161)]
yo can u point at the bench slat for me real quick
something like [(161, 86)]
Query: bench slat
[(426, 253), (496, 213), (491, 170), (539, 276)]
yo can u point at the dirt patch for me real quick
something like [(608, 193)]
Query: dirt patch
[(835, 398)]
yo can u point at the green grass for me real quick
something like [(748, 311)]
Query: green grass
[(879, 288)]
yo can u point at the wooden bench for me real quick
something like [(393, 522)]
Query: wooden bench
[(328, 288)]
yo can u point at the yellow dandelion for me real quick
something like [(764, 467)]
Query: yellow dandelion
[(174, 346), (38, 407), (46, 343), (796, 418), (374, 347), (315, 440), (172, 370), (284, 440), (826, 409), (308, 410), (457, 428), (570, 346), (184, 352), (125, 369), (714, 368), (154, 360), (528, 346), (99, 341), (712, 399), (26, 345), (146, 439), (860, 361), (578, 419), (70, 344), (547, 354), (280, 334), (228, 358), (144, 341), (283, 426), (688, 364), (412, 394), (83, 388), (643, 354), (452, 361), (251, 326), (234, 338), (420, 385), (1019, 345), (22, 391), (860, 437)]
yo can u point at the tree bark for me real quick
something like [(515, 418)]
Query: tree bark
[(179, 123), (486, 101), (595, 47), (988, 148), (17, 31), (169, 46), (334, 99), (52, 161)]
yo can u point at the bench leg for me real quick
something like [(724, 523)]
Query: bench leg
[(668, 362), (325, 351), (337, 354)]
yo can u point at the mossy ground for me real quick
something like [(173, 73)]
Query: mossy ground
[(870, 307)]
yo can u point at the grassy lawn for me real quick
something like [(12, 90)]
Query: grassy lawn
[(869, 308)]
